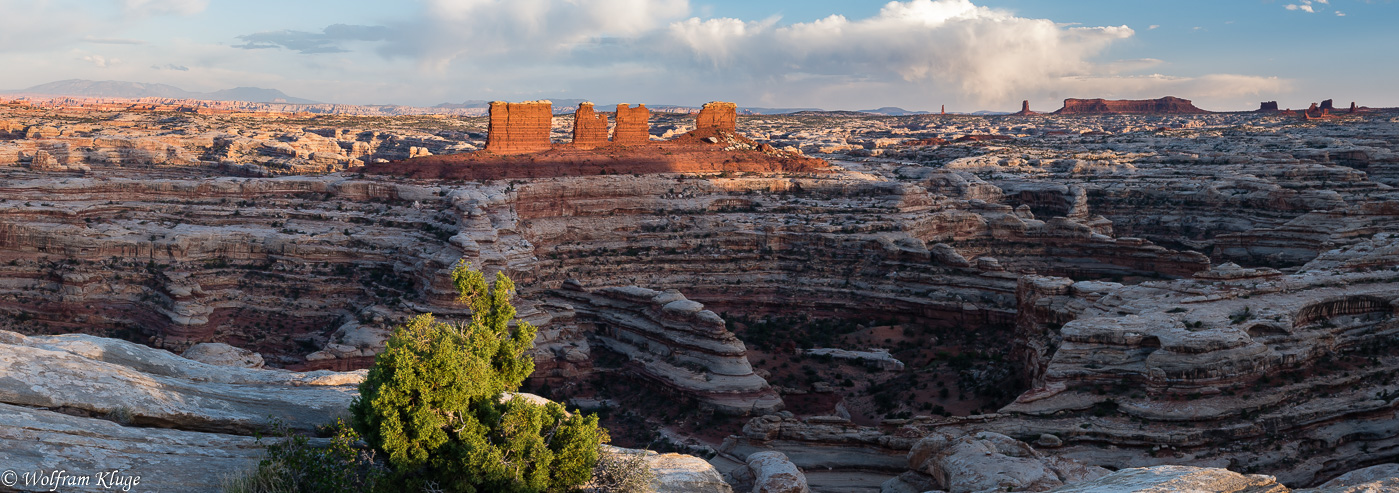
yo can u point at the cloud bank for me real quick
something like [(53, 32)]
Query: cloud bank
[(909, 48)]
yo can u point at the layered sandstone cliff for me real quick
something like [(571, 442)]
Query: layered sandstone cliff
[(589, 127), (517, 128), (633, 125), (676, 343), (718, 116)]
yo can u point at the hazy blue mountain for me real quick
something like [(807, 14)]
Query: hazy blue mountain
[(124, 89), (893, 111)]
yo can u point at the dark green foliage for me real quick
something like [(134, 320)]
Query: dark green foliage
[(294, 465), (433, 404)]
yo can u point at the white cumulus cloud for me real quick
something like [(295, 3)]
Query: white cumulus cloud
[(987, 53)]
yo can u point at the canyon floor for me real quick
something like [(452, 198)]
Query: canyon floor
[(1215, 290)]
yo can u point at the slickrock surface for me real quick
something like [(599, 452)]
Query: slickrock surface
[(518, 128), (633, 125), (153, 387), (589, 127), (677, 343), (164, 459), (1167, 105)]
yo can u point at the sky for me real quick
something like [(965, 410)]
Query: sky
[(835, 54)]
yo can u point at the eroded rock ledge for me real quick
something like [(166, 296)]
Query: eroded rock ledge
[(676, 343)]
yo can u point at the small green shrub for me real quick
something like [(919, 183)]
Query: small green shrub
[(294, 465), (621, 473), (432, 404)]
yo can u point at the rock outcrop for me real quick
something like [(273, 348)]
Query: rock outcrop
[(1235, 350), (677, 344), (517, 128), (1170, 479), (220, 354), (1025, 109), (589, 127), (678, 473), (633, 125), (993, 462), (1267, 107), (773, 473), (718, 116), (153, 387), (1165, 106)]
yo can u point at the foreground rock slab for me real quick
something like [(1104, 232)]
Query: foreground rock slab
[(35, 443), (139, 385)]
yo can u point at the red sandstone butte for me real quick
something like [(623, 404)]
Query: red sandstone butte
[(1167, 105), (1268, 107), (518, 128), (719, 116), (589, 128), (633, 125), (1025, 109)]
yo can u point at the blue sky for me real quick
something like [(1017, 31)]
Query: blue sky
[(849, 54)]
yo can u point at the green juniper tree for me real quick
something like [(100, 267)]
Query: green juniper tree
[(436, 404)]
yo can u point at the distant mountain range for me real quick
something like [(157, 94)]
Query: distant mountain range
[(132, 90)]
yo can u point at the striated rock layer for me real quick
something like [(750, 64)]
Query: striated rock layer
[(517, 128), (677, 344), (1244, 359), (589, 128), (718, 116), (633, 125)]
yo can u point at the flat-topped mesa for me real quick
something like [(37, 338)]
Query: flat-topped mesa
[(1328, 105), (589, 127), (633, 125), (718, 115), (1168, 105), (518, 128), (1268, 107)]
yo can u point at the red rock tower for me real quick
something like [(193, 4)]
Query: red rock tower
[(1352, 107), (1025, 106), (589, 128), (718, 116), (518, 128), (633, 125)]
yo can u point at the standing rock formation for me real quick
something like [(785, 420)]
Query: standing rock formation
[(1025, 109), (1352, 107), (718, 116), (518, 128), (1166, 105), (589, 128), (1267, 106), (633, 125), (1328, 105)]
